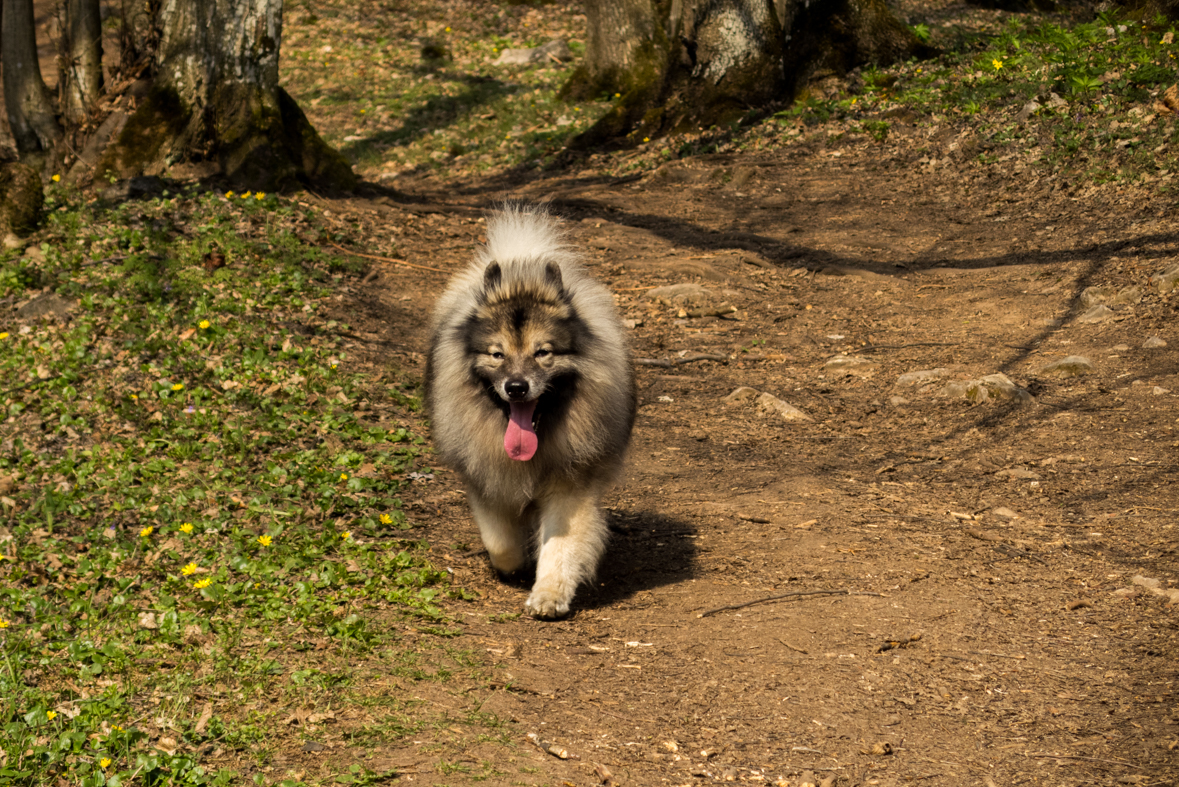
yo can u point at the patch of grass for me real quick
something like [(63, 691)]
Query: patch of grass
[(195, 519), (1075, 95), (428, 96)]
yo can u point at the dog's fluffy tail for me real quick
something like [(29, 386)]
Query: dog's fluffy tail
[(521, 232)]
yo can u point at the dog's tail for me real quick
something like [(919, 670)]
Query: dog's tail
[(520, 232)]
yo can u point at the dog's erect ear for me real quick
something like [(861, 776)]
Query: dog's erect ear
[(492, 276), (552, 276)]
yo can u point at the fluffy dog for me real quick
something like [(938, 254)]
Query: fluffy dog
[(531, 396)]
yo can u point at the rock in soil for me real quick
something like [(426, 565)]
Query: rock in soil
[(1072, 366), (772, 404)]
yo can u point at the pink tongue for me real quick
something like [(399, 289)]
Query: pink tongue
[(520, 440)]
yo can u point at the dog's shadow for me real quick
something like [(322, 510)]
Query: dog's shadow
[(647, 550)]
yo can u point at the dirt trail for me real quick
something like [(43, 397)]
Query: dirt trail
[(991, 632)]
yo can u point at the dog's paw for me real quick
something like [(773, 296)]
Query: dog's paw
[(546, 605)]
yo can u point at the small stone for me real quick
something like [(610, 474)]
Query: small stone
[(1055, 102), (1130, 295), (741, 394), (1004, 513), (1167, 280), (1153, 343), (1120, 348), (1072, 366), (897, 401), (993, 386), (922, 377), (771, 404), (1018, 473), (1158, 390), (47, 304), (1091, 296), (685, 294), (1028, 110), (554, 51), (843, 365), (1099, 313)]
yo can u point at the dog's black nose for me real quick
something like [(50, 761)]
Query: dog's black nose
[(516, 389)]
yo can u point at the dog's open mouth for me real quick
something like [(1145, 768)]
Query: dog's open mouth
[(520, 439)]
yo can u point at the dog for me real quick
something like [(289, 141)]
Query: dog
[(531, 398)]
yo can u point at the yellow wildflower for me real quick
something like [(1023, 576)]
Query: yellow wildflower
[(247, 195), (997, 63), (260, 195), (189, 570), (343, 476), (229, 195), (104, 763), (56, 178), (202, 583), (4, 623), (147, 531), (346, 534), (186, 527), (386, 519), (51, 715), (264, 540), (3, 334), (117, 728), (646, 139), (203, 325), (178, 387)]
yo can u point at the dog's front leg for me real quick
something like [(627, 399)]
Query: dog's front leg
[(572, 539), (504, 535)]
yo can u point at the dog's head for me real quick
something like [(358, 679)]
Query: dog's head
[(525, 333)]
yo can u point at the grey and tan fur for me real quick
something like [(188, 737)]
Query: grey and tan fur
[(526, 324)]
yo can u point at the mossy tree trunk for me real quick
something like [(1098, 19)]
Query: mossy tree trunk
[(29, 103), (683, 64), (80, 58), (214, 99)]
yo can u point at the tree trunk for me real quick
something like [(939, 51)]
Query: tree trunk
[(679, 64), (214, 101), (28, 102), (81, 79)]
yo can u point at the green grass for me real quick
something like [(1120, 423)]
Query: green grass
[(1082, 97), (414, 88), (193, 515)]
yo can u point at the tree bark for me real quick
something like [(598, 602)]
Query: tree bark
[(81, 80), (679, 64), (214, 101), (27, 100)]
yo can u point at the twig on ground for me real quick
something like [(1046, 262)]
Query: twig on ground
[(29, 384), (387, 259), (667, 363), (472, 553), (1046, 756), (792, 647), (869, 348), (842, 592)]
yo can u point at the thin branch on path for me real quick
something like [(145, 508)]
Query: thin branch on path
[(841, 592), (387, 259), (667, 363), (30, 384), (1045, 756), (870, 348)]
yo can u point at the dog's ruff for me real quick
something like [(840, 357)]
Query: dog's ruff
[(531, 398)]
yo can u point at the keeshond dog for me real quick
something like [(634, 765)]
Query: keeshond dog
[(531, 396)]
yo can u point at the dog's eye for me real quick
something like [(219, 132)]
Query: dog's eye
[(542, 353), (497, 355)]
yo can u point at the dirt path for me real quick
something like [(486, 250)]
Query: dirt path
[(988, 628)]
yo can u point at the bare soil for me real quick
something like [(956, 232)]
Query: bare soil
[(987, 627)]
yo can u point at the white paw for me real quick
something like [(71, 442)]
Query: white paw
[(547, 604)]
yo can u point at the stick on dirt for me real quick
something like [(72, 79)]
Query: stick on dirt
[(388, 259), (799, 593)]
